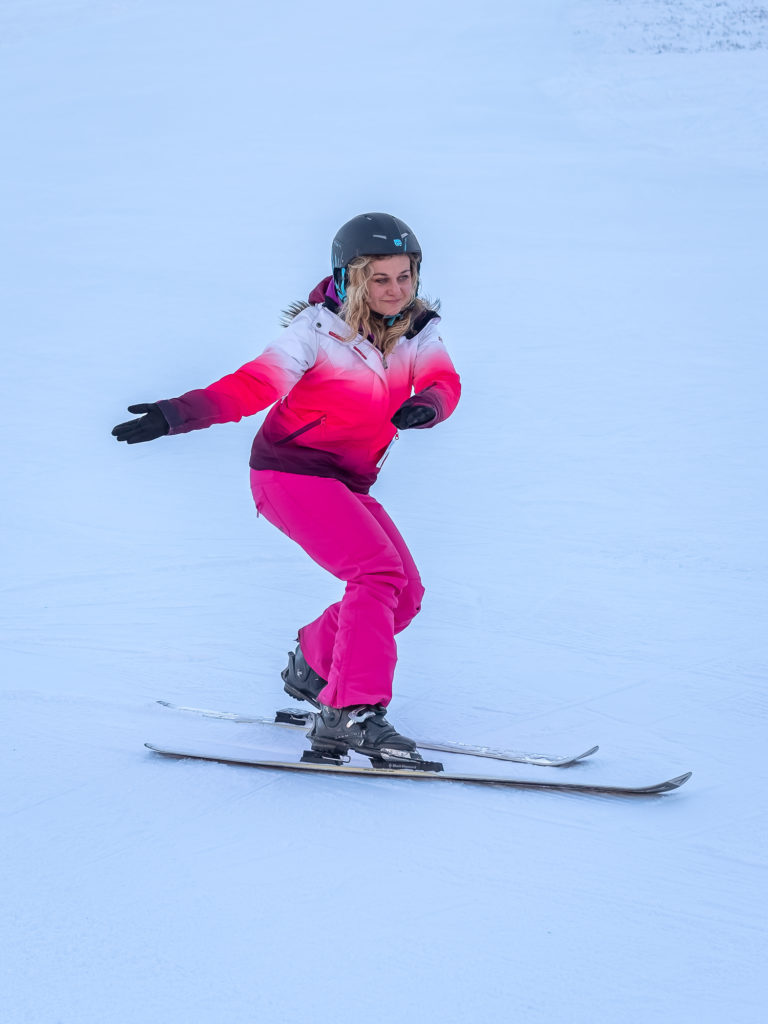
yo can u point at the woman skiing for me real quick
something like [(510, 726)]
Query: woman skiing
[(362, 360)]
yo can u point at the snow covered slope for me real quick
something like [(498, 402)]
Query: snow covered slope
[(588, 181)]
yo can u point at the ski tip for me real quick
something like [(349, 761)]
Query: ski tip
[(587, 753), (679, 780), (566, 762), (669, 785)]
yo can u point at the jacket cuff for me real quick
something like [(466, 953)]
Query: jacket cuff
[(428, 398), (169, 407)]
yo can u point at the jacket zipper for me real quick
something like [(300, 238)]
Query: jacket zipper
[(301, 430), (386, 451)]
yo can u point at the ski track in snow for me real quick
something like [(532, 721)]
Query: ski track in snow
[(587, 179)]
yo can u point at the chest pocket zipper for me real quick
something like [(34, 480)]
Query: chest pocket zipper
[(301, 430), (360, 352)]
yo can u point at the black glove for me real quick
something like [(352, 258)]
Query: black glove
[(408, 416), (146, 428)]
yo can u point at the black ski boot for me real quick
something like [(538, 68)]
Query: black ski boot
[(301, 681), (363, 728)]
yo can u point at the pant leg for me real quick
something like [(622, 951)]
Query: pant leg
[(409, 599), (338, 530), (318, 638)]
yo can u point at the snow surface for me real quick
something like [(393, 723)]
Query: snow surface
[(588, 180)]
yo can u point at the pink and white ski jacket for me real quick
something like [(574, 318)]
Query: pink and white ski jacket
[(333, 399)]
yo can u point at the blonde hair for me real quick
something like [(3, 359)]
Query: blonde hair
[(358, 315)]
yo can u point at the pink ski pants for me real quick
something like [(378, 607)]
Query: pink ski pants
[(352, 644)]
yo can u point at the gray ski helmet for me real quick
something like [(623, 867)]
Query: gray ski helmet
[(369, 234)]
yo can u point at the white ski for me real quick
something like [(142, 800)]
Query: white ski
[(303, 720)]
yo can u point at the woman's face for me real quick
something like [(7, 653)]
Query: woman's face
[(390, 285)]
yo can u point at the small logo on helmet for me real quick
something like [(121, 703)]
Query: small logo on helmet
[(397, 241)]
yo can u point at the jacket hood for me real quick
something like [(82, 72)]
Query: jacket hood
[(324, 293), (326, 289)]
